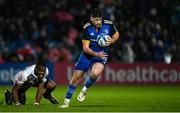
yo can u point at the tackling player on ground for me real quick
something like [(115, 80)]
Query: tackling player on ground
[(33, 75), (93, 56)]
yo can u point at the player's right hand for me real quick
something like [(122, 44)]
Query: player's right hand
[(102, 54), (109, 41)]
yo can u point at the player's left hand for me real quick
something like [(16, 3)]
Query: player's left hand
[(109, 41)]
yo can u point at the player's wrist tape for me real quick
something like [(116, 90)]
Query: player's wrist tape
[(36, 103), (17, 103)]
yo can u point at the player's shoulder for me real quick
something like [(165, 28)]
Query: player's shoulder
[(86, 25), (107, 21), (29, 68), (47, 71)]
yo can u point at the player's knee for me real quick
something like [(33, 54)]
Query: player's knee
[(95, 74), (76, 78), (75, 81), (51, 85)]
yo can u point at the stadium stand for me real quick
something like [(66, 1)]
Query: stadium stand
[(52, 28)]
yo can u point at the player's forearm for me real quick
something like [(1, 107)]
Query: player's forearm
[(15, 96), (15, 93), (39, 92), (115, 37), (90, 51), (38, 96)]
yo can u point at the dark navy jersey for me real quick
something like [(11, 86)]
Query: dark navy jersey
[(91, 34)]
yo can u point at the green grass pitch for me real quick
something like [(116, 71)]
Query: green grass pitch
[(106, 98)]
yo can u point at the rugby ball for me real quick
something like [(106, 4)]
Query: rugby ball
[(101, 39)]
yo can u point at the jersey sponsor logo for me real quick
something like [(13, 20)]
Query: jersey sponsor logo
[(94, 40), (91, 34)]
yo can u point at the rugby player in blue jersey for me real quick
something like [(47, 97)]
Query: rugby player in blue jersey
[(93, 56)]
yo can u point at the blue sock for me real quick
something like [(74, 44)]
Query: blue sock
[(90, 82), (70, 91)]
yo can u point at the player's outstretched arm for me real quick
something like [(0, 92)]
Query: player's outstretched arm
[(40, 91), (15, 89)]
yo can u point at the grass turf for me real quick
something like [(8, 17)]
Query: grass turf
[(106, 98)]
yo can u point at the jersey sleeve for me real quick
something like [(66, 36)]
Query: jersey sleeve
[(85, 35), (21, 78), (46, 74), (113, 29)]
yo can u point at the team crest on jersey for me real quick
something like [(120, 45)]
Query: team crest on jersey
[(105, 31)]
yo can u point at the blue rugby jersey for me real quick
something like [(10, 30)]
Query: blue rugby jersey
[(91, 34), (85, 60)]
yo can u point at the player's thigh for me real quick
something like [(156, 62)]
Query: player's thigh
[(77, 75), (97, 69)]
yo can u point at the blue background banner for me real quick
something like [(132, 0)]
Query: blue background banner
[(8, 70)]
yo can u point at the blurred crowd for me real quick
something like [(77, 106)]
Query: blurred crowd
[(52, 29)]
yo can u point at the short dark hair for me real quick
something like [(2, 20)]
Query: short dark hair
[(40, 62), (96, 12)]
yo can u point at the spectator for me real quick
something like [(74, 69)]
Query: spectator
[(151, 27)]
